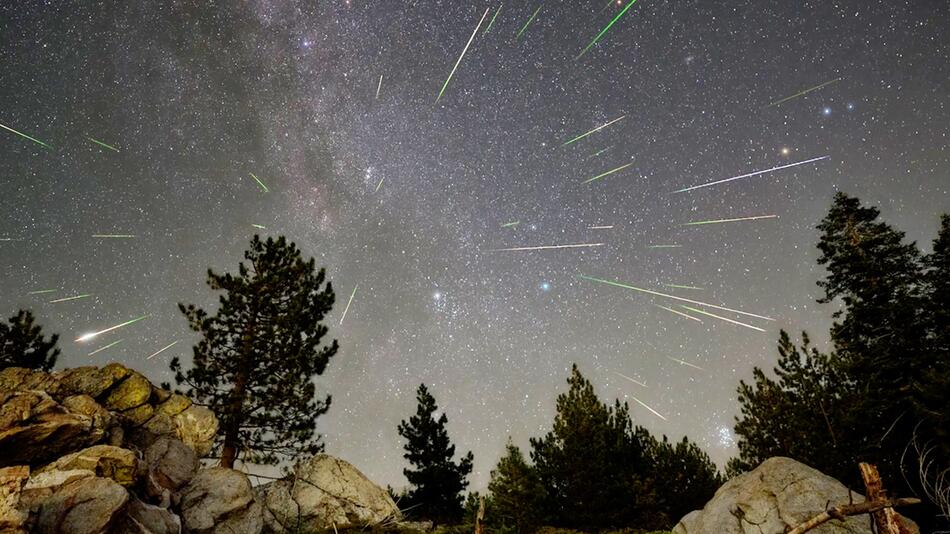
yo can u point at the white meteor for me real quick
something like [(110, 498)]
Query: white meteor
[(681, 362), (100, 349), (91, 335), (547, 247), (654, 412), (756, 173), (722, 318), (677, 312), (353, 294), (637, 382), (163, 349)]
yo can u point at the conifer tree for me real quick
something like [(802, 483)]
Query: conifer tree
[(437, 480), (516, 492), (255, 363), (22, 344), (684, 476), (935, 389)]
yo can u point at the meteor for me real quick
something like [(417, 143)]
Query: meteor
[(602, 32), (21, 134), (260, 183), (802, 93), (380, 86), (100, 143), (87, 337), (601, 127), (42, 291), (677, 312), (492, 21), (677, 286), (756, 173), (380, 184), (77, 297), (681, 362), (599, 152), (447, 80), (656, 413), (259, 226), (723, 318), (674, 297), (547, 247), (525, 27), (665, 246), (163, 349), (114, 343), (605, 227), (511, 224), (353, 294), (599, 176), (718, 221), (113, 236), (637, 382)]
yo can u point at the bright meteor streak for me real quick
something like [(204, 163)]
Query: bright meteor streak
[(492, 21), (654, 412), (601, 127), (77, 297), (723, 318), (599, 176), (802, 93), (637, 382), (674, 297), (681, 314), (737, 219), (260, 183), (511, 224), (547, 247), (21, 134), (665, 246), (602, 32), (525, 27), (113, 236), (163, 349), (756, 173), (42, 291), (100, 143), (447, 80), (87, 337), (353, 294), (604, 227), (380, 184), (677, 286), (259, 226), (114, 343), (380, 86), (681, 362)]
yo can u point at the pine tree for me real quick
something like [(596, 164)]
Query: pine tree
[(22, 344), (437, 481), (516, 493), (934, 403), (685, 477), (255, 363)]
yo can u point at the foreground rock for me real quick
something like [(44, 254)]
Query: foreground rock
[(777, 495), (90, 505), (326, 493), (220, 500)]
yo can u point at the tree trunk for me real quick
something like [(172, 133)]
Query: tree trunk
[(231, 434), (885, 519), (480, 518)]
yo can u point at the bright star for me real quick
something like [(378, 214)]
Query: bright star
[(545, 286), (826, 112)]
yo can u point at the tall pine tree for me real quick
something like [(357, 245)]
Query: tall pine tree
[(437, 481), (934, 403), (516, 492), (685, 478), (22, 344), (255, 363)]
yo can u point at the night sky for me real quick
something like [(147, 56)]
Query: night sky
[(407, 197)]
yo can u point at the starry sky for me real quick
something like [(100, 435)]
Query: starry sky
[(332, 105)]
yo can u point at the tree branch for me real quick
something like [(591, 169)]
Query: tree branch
[(843, 511)]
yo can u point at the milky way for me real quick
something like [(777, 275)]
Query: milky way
[(158, 114)]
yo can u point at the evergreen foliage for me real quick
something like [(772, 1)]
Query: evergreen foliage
[(22, 344), (255, 363), (517, 495)]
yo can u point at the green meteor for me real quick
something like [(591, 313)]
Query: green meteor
[(259, 226), (599, 152), (511, 224), (469, 43), (602, 32), (802, 93), (665, 246), (100, 143), (525, 27), (492, 21), (87, 337), (114, 343), (66, 299), (42, 291), (380, 184), (737, 219), (722, 318), (599, 176), (21, 134), (677, 312), (260, 183), (602, 126), (677, 286)]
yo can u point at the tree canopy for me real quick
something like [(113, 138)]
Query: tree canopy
[(22, 344)]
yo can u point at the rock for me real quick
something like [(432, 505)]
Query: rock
[(138, 416), (105, 461), (85, 506), (104, 423), (778, 494), (12, 518), (218, 501), (159, 395), (34, 428), (170, 465), (142, 518), (325, 493), (173, 405), (132, 392), (41, 485), (19, 378), (91, 381), (197, 427)]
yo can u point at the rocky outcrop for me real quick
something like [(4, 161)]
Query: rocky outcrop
[(12, 519), (778, 494), (324, 493), (220, 501), (170, 464), (34, 428), (89, 505)]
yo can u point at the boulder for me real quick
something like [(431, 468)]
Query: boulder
[(12, 518), (173, 405), (89, 505), (219, 500), (142, 518), (778, 494), (115, 463), (34, 428), (196, 427), (19, 378), (170, 465), (41, 485), (132, 392), (325, 493), (91, 381)]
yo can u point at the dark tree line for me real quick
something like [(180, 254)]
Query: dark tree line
[(22, 344)]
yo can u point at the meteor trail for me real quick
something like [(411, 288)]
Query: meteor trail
[(41, 291), (380, 184), (599, 176), (525, 27), (259, 226), (113, 236), (637, 382), (353, 294), (21, 134), (259, 182), (100, 143), (380, 86), (605, 227), (599, 152), (602, 126), (718, 221), (656, 413), (677, 286), (681, 362), (492, 21), (114, 343), (723, 318), (802, 93), (677, 312), (756, 173), (87, 337), (665, 246), (547, 247), (511, 224), (77, 297), (674, 297), (447, 80), (163, 349), (602, 32)]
